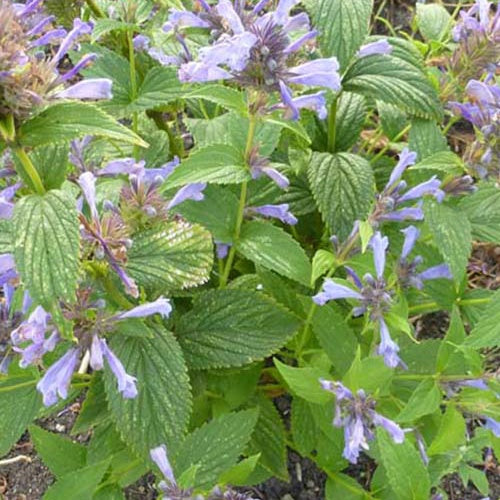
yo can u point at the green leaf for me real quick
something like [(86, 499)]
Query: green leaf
[(160, 412), (342, 186), (370, 374), (173, 256), (216, 446), (271, 247), (451, 433), (335, 337), (433, 21), (304, 432), (228, 98), (426, 138), (6, 236), (79, 484), (424, 400), (350, 118), (445, 162), (322, 262), (395, 81), (94, 409), (160, 87), (404, 468), (66, 121), (454, 336), (58, 453), (238, 474), (479, 478), (452, 236), (343, 27), (219, 163), (304, 382), (106, 25), (233, 327), (268, 439), (486, 333), (47, 246), (342, 487), (392, 119), (216, 212), (19, 405)]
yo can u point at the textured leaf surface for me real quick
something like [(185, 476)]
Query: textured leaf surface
[(177, 256), (232, 328), (19, 405), (161, 410), (452, 236), (351, 115), (65, 121), (433, 20), (47, 245), (424, 400), (304, 431), (342, 26), (426, 139), (219, 163), (395, 81), (486, 333), (342, 186), (404, 468), (272, 248), (451, 433), (6, 236), (216, 446), (229, 98)]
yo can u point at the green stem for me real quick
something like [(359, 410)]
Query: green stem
[(114, 293), (396, 139), (332, 125), (29, 169), (175, 141), (433, 306), (241, 206), (133, 86), (96, 10)]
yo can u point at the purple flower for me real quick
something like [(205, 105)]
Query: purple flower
[(7, 268), (79, 28), (97, 88), (57, 378), (492, 425), (281, 212), (87, 182), (222, 249), (356, 414), (141, 43), (380, 47), (335, 291), (190, 192), (388, 348), (389, 201), (379, 246), (126, 383), (407, 269), (260, 167), (160, 306)]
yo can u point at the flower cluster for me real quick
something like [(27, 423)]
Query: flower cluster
[(356, 414), (483, 111), (254, 48), (27, 76)]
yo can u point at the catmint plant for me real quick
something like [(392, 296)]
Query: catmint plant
[(216, 216)]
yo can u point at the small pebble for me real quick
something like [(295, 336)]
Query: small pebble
[(60, 428)]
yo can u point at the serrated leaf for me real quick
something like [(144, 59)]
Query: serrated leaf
[(445, 162), (340, 486), (58, 453), (268, 439), (160, 87), (160, 412), (395, 81), (452, 236), (424, 400), (47, 246), (342, 26), (426, 139), (304, 382), (304, 432), (219, 164), (335, 337), (106, 25), (238, 474), (350, 117), (322, 262), (433, 21), (229, 98), (66, 121), (94, 409), (486, 333), (392, 119), (19, 405), (342, 186), (405, 470), (269, 246), (451, 433), (176, 255), (233, 327), (216, 212), (6, 236), (78, 485), (216, 446)]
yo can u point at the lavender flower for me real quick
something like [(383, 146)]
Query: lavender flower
[(27, 77), (380, 47), (160, 306), (407, 270), (221, 249), (126, 383), (281, 212), (492, 425), (390, 200), (169, 487), (6, 196), (356, 414), (189, 192), (373, 296), (256, 50), (260, 166)]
